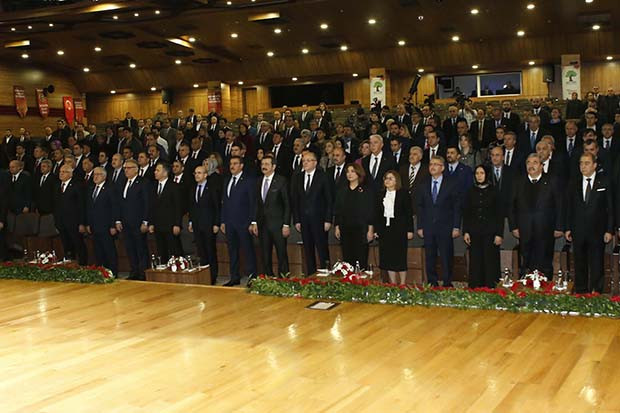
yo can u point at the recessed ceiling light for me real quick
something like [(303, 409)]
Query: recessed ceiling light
[(294, 79), (191, 39), (178, 62), (132, 65), (420, 70), (97, 49), (474, 67), (521, 33), (324, 26), (596, 27), (234, 35), (305, 51), (355, 75), (277, 30), (86, 69), (157, 12), (270, 53), (531, 63), (372, 21), (609, 58), (401, 42), (196, 85), (344, 47), (455, 38), (229, 3), (113, 92), (60, 52), (13, 29), (115, 17), (530, 6), (51, 25), (474, 11), (25, 56), (153, 89), (589, 1), (240, 82), (420, 17), (29, 27), (136, 15)]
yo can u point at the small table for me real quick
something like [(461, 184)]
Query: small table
[(200, 275)]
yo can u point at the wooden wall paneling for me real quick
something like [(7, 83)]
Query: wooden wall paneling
[(249, 100)]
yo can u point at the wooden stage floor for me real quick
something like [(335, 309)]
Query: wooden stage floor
[(141, 347)]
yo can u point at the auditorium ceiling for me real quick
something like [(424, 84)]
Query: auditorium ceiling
[(185, 41)]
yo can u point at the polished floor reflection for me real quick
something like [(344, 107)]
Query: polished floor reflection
[(139, 347)]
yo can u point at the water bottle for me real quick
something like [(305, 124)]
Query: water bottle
[(54, 258), (153, 262), (358, 270), (25, 255)]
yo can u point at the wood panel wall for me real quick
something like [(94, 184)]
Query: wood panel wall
[(31, 78)]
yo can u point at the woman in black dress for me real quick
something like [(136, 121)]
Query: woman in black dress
[(483, 227), (394, 226), (353, 217)]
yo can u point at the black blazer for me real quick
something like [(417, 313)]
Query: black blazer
[(443, 215), (239, 208), (488, 133), (69, 206), (483, 212), (420, 177), (403, 213), (165, 209), (593, 218), (314, 205), (102, 213), (340, 183), (504, 186), (450, 131), (43, 196), (205, 213), (387, 163), (536, 215), (20, 192), (134, 209), (275, 211)]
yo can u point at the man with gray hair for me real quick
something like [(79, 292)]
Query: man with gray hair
[(377, 163), (43, 189), (264, 136), (69, 215), (306, 136)]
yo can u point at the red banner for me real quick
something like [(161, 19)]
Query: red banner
[(20, 101), (67, 103), (44, 107), (214, 97), (79, 110)]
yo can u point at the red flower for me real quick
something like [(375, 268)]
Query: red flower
[(615, 299), (501, 292), (521, 294)]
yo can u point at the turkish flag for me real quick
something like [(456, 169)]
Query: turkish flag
[(67, 103)]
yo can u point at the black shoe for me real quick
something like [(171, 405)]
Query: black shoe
[(213, 280), (232, 283), (251, 279)]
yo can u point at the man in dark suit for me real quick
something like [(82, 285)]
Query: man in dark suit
[(20, 188), (377, 163), (482, 131), (457, 171), (536, 217), (589, 224), (541, 112), (272, 217), (553, 164), (511, 120), (8, 147), (44, 189), (412, 175), (609, 143), (4, 209), (417, 129), (527, 140), (296, 164), (130, 123), (502, 177), (402, 117), (133, 219), (117, 175), (204, 219), (264, 138), (570, 142), (434, 146), (398, 152), (283, 156), (449, 126), (69, 215), (312, 210), (238, 207), (304, 117), (165, 213), (439, 220), (290, 132), (101, 215), (336, 174)]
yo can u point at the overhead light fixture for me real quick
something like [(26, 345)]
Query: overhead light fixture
[(132, 65), (474, 11), (344, 47), (178, 62), (372, 21), (136, 15), (420, 70), (240, 82), (474, 67), (86, 69), (60, 52), (530, 6), (113, 92), (609, 58), (196, 85), (589, 1), (25, 56), (596, 27), (305, 51), (521, 33), (229, 3), (13, 29), (324, 26), (29, 27), (234, 35), (180, 42), (277, 30), (270, 53), (153, 89), (19, 43), (51, 25), (401, 42), (157, 12), (355, 75), (97, 49), (294, 79), (191, 39), (531, 63), (455, 38), (115, 17)]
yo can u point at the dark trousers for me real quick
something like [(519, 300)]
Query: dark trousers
[(589, 263), (3, 251), (167, 244), (73, 245), (205, 245), (484, 264), (137, 250), (240, 238), (105, 251), (314, 236), (268, 238), (536, 253), (438, 241), (354, 245)]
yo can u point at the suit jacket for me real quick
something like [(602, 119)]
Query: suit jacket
[(275, 210), (314, 205), (165, 209), (524, 142), (304, 119), (205, 213), (289, 135), (426, 157), (421, 176), (134, 209), (488, 133), (404, 120), (612, 151), (20, 193), (239, 207), (504, 186), (512, 122), (284, 161), (267, 141), (482, 212), (387, 163), (462, 174), (590, 220), (334, 185), (69, 206), (103, 212), (43, 195), (450, 131), (403, 213), (445, 214), (536, 213)]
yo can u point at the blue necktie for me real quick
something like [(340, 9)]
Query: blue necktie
[(434, 192), (533, 140)]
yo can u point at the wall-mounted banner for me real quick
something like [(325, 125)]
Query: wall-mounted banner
[(377, 91), (67, 103), (20, 101), (44, 107), (571, 75), (79, 110), (214, 99)]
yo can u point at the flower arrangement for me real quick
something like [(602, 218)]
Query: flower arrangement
[(343, 269), (57, 272), (45, 257), (178, 264), (534, 280)]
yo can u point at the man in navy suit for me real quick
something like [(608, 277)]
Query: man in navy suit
[(312, 210), (377, 163), (69, 215), (204, 219), (457, 171), (238, 206), (165, 213), (101, 215), (132, 222), (439, 220)]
